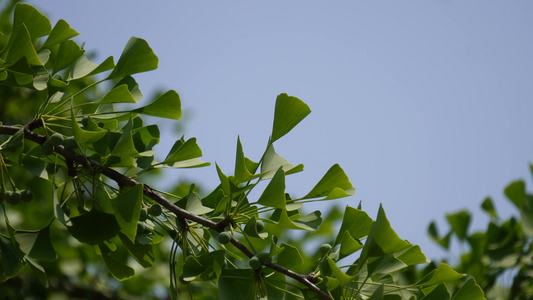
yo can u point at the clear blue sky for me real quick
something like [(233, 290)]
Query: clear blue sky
[(427, 105)]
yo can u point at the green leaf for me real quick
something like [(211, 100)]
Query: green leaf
[(36, 244), (382, 239), (251, 229), (439, 293), (10, 263), (489, 208), (295, 221), (459, 223), (119, 94), (433, 233), (67, 54), (94, 227), (86, 136), (289, 111), (290, 257), (338, 273), (133, 88), (182, 151), (334, 184), (443, 273), (38, 24), (143, 254), (127, 208), (167, 106), (516, 192), (349, 245), (356, 222), (235, 284), (272, 162), (14, 146), (125, 148), (526, 216), (193, 204), (274, 193), (469, 291), (137, 57), (412, 256), (378, 294), (242, 173), (385, 265), (84, 67), (60, 33), (22, 47), (119, 270), (38, 270), (204, 267)]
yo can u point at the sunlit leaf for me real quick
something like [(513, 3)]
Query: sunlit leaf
[(308, 222), (274, 193), (60, 33), (385, 265), (412, 256), (443, 273), (251, 229), (37, 24), (356, 222), (288, 113), (273, 161), (22, 47), (348, 244), (86, 136), (137, 57), (338, 273), (334, 184), (167, 106), (84, 67), (242, 173), (290, 257)]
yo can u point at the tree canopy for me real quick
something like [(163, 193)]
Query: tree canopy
[(80, 221)]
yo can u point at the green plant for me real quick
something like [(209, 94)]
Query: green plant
[(500, 258), (92, 194)]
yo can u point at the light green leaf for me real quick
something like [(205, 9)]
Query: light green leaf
[(183, 150), (251, 229), (127, 207), (133, 87), (36, 244), (356, 222), (137, 57), (412, 256), (274, 193), (334, 184), (459, 223), (516, 192), (167, 106), (84, 67), (385, 265), (469, 291), (295, 221), (60, 33), (193, 204), (349, 245), (382, 239), (67, 54), (242, 173), (272, 162), (290, 257), (338, 273), (119, 94), (289, 111), (443, 273), (38, 24), (94, 227), (86, 136)]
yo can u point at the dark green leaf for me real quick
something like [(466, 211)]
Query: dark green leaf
[(143, 254), (385, 265), (127, 208), (489, 208), (86, 136), (67, 54), (137, 57), (10, 263), (38, 25), (516, 192), (22, 47), (439, 293), (182, 151), (242, 173), (119, 270), (204, 267), (308, 222), (94, 227), (251, 229), (119, 94), (469, 291), (235, 284), (288, 113), (36, 244), (38, 270), (290, 257), (459, 223)]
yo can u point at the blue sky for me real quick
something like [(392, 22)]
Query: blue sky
[(425, 104)]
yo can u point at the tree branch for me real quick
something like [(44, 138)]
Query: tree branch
[(123, 180)]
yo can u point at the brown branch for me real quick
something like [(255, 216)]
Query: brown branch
[(123, 180)]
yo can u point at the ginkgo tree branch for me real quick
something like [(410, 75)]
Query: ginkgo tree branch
[(122, 180)]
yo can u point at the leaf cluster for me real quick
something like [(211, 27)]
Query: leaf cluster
[(84, 145)]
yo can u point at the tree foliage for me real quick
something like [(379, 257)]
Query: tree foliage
[(75, 150)]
